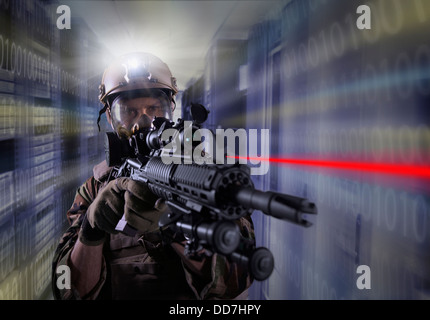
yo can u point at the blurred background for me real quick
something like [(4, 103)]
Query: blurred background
[(301, 68)]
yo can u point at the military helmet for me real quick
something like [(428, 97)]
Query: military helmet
[(132, 72)]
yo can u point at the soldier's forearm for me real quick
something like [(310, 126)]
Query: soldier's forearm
[(85, 266)]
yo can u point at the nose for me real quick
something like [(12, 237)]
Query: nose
[(144, 121)]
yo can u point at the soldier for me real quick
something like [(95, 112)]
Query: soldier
[(107, 264)]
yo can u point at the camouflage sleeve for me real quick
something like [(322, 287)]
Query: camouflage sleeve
[(83, 198), (218, 278)]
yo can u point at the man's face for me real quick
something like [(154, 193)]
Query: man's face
[(137, 113)]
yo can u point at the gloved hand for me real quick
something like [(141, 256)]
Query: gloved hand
[(121, 196)]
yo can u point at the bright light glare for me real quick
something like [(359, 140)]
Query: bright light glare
[(133, 63)]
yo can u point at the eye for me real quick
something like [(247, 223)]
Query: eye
[(151, 110), (128, 112)]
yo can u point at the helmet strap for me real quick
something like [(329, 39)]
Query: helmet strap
[(100, 114)]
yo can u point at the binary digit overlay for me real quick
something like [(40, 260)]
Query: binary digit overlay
[(334, 97)]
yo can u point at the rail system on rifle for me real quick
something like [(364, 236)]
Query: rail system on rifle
[(204, 199)]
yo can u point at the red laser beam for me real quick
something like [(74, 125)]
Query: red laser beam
[(381, 168)]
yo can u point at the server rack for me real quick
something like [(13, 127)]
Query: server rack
[(328, 90), (48, 138)]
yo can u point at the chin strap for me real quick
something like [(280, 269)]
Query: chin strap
[(100, 114)]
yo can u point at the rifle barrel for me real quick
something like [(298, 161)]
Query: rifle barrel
[(281, 206)]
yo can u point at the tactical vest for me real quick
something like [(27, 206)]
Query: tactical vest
[(141, 267)]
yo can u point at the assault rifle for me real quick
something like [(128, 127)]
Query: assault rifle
[(204, 199)]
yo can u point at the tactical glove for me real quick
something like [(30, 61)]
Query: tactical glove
[(142, 208), (122, 196)]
